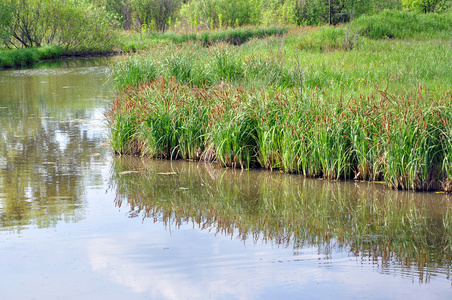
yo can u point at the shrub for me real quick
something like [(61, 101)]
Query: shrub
[(76, 26)]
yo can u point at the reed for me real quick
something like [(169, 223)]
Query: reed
[(405, 144), (195, 65), (269, 104)]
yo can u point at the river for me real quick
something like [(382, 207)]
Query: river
[(76, 222)]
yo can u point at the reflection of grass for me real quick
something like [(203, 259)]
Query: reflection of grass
[(288, 210), (307, 102)]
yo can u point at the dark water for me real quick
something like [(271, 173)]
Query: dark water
[(77, 223)]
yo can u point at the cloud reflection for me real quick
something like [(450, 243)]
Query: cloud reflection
[(196, 265)]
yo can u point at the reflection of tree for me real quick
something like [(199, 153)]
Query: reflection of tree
[(46, 145), (388, 227)]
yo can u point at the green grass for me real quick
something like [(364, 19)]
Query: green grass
[(368, 138), (395, 24), (234, 36), (195, 65), (132, 41), (308, 102), (28, 56)]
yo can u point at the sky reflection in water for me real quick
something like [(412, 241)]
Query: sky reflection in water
[(77, 223)]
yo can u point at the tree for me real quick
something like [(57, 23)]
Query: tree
[(425, 6), (155, 13), (75, 25), (6, 17), (122, 9)]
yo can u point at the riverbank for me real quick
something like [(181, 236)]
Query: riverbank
[(130, 42), (347, 102), (28, 57), (58, 180)]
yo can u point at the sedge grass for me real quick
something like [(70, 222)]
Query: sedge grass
[(378, 111), (195, 65), (404, 144)]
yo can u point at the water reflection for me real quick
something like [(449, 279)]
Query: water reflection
[(47, 141), (399, 232), (290, 236)]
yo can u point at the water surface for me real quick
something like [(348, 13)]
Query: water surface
[(78, 223)]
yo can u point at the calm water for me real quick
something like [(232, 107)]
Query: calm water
[(78, 223)]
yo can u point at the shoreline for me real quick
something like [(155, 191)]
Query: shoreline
[(30, 64)]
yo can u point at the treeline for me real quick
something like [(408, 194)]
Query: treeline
[(90, 26), (210, 14)]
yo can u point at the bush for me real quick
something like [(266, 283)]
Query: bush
[(6, 61), (155, 13), (49, 52), (75, 26)]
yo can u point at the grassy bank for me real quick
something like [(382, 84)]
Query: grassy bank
[(28, 56), (327, 102), (132, 42)]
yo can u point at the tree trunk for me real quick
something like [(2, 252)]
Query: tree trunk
[(329, 12)]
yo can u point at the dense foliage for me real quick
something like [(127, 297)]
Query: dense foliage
[(211, 14), (75, 26), (92, 26)]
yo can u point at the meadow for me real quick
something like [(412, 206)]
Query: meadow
[(368, 100), (131, 41)]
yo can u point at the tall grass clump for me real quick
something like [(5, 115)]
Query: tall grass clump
[(402, 140), (402, 24), (195, 65), (165, 120), (19, 57), (309, 102), (28, 56), (134, 71), (234, 36), (329, 38)]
